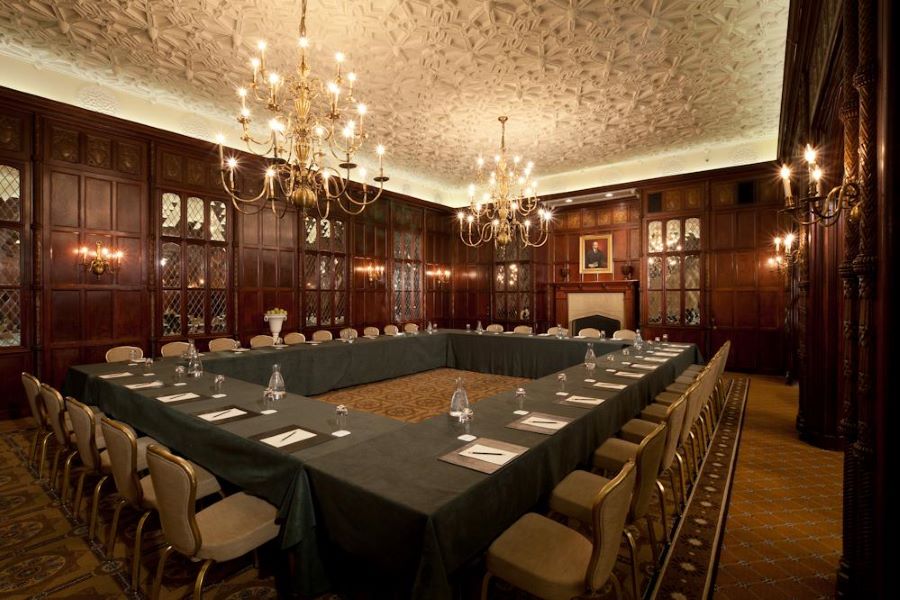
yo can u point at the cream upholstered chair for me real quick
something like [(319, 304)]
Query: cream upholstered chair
[(523, 329), (624, 334), (661, 413), (589, 332), (411, 328), (126, 459), (122, 353), (173, 349), (549, 560), (557, 330), (88, 441), (294, 338), (574, 496), (371, 331), (322, 335), (494, 328), (391, 329), (62, 435), (261, 341), (222, 344), (349, 331), (36, 404), (225, 530)]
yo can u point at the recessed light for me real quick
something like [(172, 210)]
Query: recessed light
[(568, 200), (609, 194)]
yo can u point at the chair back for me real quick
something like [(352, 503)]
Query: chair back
[(494, 328), (294, 338), (350, 331), (647, 459), (122, 353), (322, 335), (55, 406), (391, 330), (260, 341), (674, 430), (557, 330), (33, 393), (220, 344), (121, 445), (624, 334), (175, 485), (609, 513), (173, 349), (411, 328), (694, 404), (85, 428), (522, 329), (371, 331), (589, 332)]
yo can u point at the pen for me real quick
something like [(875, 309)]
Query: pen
[(222, 413), (289, 435), (491, 453)]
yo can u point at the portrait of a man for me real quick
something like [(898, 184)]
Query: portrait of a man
[(596, 254)]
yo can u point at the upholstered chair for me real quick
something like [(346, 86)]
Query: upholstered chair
[(62, 435), (261, 341), (223, 531), (494, 328), (574, 496), (589, 332), (322, 335), (173, 349), (557, 331), (294, 338), (667, 413), (222, 344), (411, 328), (391, 329), (36, 404), (88, 441), (126, 455), (122, 353), (624, 334), (526, 329), (549, 560), (349, 331), (371, 331)]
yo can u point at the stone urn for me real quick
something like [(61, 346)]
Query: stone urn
[(276, 322)]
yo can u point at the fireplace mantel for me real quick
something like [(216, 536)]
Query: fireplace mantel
[(628, 288)]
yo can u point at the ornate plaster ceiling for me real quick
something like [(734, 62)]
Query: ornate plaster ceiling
[(585, 82)]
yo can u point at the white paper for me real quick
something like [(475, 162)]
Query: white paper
[(590, 381), (676, 345), (562, 393), (218, 415), (179, 384), (116, 375), (286, 438), (585, 400), (627, 374), (240, 350), (627, 364), (610, 386), (311, 343), (644, 367), (667, 354), (271, 411), (340, 433), (177, 397), (543, 334), (578, 337), (467, 437), (218, 395), (656, 360), (371, 337), (544, 423), (498, 456), (149, 374), (143, 386), (610, 370), (509, 332), (520, 412)]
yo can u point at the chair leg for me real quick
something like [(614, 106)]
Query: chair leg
[(651, 537), (114, 528), (136, 560), (54, 467), (34, 445), (79, 493), (44, 443), (632, 548), (662, 507), (486, 585), (160, 569), (681, 480), (66, 483), (692, 438), (95, 507), (198, 585), (617, 585)]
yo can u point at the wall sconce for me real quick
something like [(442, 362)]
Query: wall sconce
[(103, 260), (374, 273), (441, 276), (824, 209), (786, 253)]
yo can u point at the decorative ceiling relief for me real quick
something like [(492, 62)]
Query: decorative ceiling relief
[(584, 82)]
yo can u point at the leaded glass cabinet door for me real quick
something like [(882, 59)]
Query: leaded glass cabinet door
[(673, 275)]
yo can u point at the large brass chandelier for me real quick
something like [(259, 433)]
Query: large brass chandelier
[(303, 141), (508, 208)]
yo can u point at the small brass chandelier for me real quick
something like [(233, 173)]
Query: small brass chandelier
[(103, 260), (786, 252), (816, 207), (508, 209), (302, 140)]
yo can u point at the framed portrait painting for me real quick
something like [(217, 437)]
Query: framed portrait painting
[(595, 254)]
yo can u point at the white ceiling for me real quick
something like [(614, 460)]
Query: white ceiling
[(585, 82)]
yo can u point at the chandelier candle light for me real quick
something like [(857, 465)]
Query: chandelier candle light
[(303, 139), (103, 261), (817, 207), (508, 209)]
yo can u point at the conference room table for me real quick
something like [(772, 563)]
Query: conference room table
[(382, 496)]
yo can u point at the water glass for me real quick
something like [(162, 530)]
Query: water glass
[(218, 382), (468, 328), (342, 417), (148, 365), (562, 378), (520, 398), (180, 371)]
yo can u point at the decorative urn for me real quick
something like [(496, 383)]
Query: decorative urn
[(275, 317)]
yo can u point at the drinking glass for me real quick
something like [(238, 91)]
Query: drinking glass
[(665, 338), (468, 328), (218, 382), (148, 365), (520, 398), (180, 372), (562, 378), (590, 359), (342, 417)]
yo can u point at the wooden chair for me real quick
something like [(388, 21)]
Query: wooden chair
[(122, 353), (261, 341), (222, 344), (88, 442), (411, 328), (624, 334), (294, 338), (494, 328), (322, 335), (589, 332), (391, 330), (371, 331), (350, 332), (173, 349), (62, 435), (526, 329)]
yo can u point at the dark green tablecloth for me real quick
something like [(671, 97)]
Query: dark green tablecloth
[(380, 494)]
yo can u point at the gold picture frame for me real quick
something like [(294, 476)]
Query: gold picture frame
[(597, 259)]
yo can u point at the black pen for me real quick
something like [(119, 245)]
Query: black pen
[(491, 453), (221, 413), (289, 435)]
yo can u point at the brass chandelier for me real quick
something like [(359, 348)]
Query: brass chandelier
[(303, 140), (508, 208)]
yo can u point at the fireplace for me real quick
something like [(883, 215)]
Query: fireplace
[(612, 299)]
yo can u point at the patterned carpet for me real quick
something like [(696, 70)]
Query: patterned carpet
[(415, 398)]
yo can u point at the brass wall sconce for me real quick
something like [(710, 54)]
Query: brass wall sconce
[(102, 260), (374, 273), (816, 206), (441, 276), (786, 253)]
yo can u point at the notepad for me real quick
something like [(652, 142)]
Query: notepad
[(489, 454), (177, 397), (656, 360), (287, 438), (644, 367), (144, 386), (610, 386), (115, 375), (218, 415), (627, 374), (544, 423), (585, 400), (507, 332), (667, 354), (676, 345)]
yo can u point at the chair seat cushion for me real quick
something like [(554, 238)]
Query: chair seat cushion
[(667, 398), (612, 455), (636, 430), (542, 557), (694, 369), (655, 413), (678, 388), (207, 484), (234, 526), (574, 495), (686, 378)]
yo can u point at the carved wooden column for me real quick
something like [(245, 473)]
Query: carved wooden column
[(847, 426)]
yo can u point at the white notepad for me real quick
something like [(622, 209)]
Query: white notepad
[(585, 400), (644, 367), (656, 360), (218, 415), (177, 397), (115, 375), (627, 374), (495, 456), (544, 423), (144, 386), (286, 438), (668, 354), (610, 386)]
